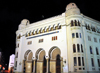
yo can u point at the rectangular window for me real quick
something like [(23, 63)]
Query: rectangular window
[(91, 50), (74, 48), (97, 52), (75, 61), (92, 62), (89, 38), (73, 35), (81, 48), (29, 42), (95, 39), (78, 47), (40, 40), (16, 64), (83, 61), (98, 62), (80, 35), (76, 35), (79, 61), (54, 38)]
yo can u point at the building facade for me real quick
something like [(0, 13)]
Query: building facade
[(67, 43)]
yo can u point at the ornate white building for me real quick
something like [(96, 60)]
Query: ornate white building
[(67, 43)]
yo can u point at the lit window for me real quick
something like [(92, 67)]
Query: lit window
[(75, 61), (79, 61), (97, 52), (74, 48), (73, 35), (91, 52), (78, 48), (95, 39), (76, 35), (89, 38), (92, 62)]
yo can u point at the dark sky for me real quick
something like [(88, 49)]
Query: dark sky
[(12, 12)]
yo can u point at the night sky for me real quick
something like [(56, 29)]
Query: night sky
[(12, 12)]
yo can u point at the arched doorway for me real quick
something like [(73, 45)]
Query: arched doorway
[(58, 64), (27, 62), (44, 65), (40, 63), (55, 63)]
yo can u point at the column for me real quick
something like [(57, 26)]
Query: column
[(34, 65), (47, 59)]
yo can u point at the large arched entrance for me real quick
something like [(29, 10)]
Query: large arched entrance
[(27, 63), (58, 64), (41, 61), (55, 62)]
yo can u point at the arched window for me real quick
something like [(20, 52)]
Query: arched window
[(97, 52), (75, 23), (72, 23), (74, 48), (78, 23), (78, 48)]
